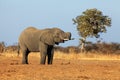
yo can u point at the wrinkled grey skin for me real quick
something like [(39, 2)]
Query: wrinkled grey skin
[(35, 40)]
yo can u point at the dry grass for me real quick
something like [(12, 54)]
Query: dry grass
[(9, 54), (71, 56), (65, 67), (88, 56)]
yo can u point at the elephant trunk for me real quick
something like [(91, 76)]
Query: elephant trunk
[(68, 36)]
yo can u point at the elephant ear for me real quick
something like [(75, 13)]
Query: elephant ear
[(47, 38)]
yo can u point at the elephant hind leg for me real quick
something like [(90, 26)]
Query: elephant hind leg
[(25, 56), (43, 58), (43, 52)]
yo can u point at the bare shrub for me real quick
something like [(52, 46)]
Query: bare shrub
[(11, 48), (105, 48), (61, 49), (73, 49), (2, 47)]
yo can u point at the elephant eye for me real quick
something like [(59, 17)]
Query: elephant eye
[(57, 34)]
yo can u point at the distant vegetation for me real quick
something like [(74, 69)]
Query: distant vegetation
[(99, 48), (10, 48), (103, 48)]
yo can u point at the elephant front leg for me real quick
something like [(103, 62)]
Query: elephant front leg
[(50, 58), (50, 54)]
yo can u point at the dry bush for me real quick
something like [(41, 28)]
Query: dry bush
[(12, 48), (105, 48), (2, 47), (61, 49), (71, 56), (73, 49), (69, 49), (83, 56), (95, 51), (8, 49)]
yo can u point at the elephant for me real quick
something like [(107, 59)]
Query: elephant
[(41, 40)]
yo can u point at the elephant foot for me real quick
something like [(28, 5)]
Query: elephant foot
[(42, 63), (24, 62), (49, 63)]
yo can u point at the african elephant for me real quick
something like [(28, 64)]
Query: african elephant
[(35, 40)]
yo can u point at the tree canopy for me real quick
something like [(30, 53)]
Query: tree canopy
[(91, 23)]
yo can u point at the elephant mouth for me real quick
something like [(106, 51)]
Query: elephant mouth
[(60, 41)]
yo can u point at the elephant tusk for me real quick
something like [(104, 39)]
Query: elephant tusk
[(66, 39), (69, 39)]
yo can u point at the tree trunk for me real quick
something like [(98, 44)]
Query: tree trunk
[(82, 48)]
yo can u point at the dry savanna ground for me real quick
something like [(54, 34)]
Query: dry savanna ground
[(65, 67)]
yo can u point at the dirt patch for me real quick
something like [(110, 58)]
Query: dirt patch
[(62, 69)]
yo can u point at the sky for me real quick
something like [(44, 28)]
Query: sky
[(16, 15)]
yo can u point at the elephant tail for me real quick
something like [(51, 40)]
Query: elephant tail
[(18, 49)]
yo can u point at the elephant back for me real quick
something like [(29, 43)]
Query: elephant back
[(31, 29), (29, 37)]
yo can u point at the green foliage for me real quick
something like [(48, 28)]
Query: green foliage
[(91, 23)]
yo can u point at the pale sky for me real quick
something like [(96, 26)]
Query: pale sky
[(16, 15)]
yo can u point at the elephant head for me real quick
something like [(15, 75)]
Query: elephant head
[(67, 36), (54, 36)]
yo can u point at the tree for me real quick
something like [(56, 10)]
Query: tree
[(90, 24)]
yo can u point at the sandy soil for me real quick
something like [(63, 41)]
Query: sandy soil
[(61, 69)]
